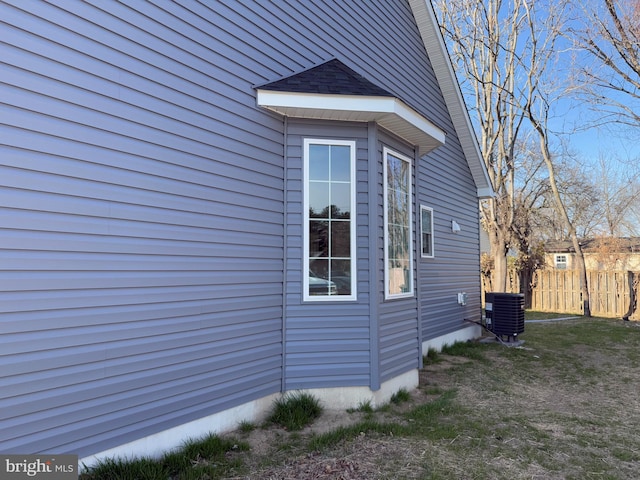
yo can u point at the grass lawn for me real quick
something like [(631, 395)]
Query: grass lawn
[(563, 406)]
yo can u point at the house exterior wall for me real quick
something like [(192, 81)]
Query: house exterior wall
[(594, 261), (327, 344), (354, 343), (550, 260), (445, 184), (138, 215), (399, 345), (145, 261)]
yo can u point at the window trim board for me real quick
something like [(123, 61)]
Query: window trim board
[(386, 151), (306, 297)]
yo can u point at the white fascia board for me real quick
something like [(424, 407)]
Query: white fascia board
[(414, 118), (351, 103), (389, 112)]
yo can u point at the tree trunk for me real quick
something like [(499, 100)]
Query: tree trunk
[(562, 211), (582, 271), (499, 249), (525, 276), (499, 280)]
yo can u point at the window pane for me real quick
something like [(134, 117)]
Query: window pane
[(341, 198), (402, 209), (319, 199), (426, 224), (392, 234), (397, 207), (319, 283), (340, 238), (398, 173), (391, 212), (404, 246), (392, 173), (426, 220), (318, 239), (340, 163), (319, 162), (341, 276), (426, 243)]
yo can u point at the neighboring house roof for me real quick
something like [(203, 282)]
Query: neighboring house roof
[(334, 91), (622, 244)]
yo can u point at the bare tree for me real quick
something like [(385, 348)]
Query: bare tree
[(537, 218), (504, 52), (606, 35), (609, 34), (543, 89), (484, 36), (581, 197), (619, 196)]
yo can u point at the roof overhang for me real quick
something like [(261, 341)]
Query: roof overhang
[(389, 112)]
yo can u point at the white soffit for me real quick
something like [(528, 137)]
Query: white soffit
[(388, 112)]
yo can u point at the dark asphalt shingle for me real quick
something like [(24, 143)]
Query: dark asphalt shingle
[(332, 77)]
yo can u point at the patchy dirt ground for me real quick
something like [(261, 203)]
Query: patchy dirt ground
[(368, 456), (550, 410)]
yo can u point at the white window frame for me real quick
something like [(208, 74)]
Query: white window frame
[(305, 225), (424, 208), (387, 274), (562, 265)]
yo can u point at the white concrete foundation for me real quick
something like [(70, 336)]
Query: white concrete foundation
[(156, 445), (331, 399), (350, 397), (471, 332)]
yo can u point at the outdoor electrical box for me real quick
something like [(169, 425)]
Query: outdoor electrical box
[(504, 314), (462, 298)]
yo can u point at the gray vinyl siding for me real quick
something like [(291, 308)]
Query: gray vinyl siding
[(445, 184), (399, 347), (141, 224), (327, 344), (142, 214)]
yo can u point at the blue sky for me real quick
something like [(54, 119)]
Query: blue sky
[(592, 143), (612, 140)]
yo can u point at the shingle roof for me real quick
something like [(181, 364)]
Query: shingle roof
[(332, 77), (621, 244)]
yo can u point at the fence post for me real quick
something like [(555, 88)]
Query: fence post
[(632, 281)]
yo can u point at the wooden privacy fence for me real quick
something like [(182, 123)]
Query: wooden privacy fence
[(612, 293)]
